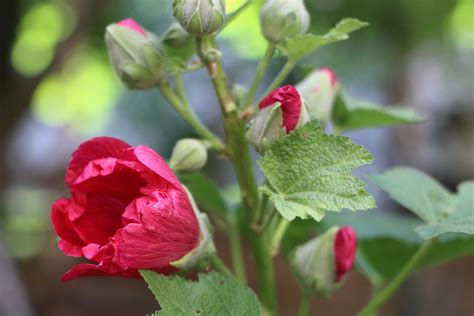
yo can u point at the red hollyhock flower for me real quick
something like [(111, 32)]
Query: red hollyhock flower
[(127, 211), (345, 248), (291, 104), (133, 25)]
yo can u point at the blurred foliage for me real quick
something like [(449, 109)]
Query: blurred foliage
[(462, 24), (81, 94), (41, 29), (26, 222)]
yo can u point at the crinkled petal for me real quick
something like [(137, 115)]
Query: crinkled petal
[(70, 242), (96, 148), (152, 160), (163, 234)]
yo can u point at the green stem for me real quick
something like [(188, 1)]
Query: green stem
[(259, 215), (236, 249), (262, 68), (180, 90), (281, 76), (188, 115), (219, 266), (243, 166), (305, 304), (379, 299), (278, 235)]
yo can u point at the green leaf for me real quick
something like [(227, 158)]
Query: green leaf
[(206, 193), (310, 172), (212, 294), (416, 191), (352, 114), (299, 46), (442, 211), (386, 242), (459, 220)]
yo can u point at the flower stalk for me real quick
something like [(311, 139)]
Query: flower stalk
[(243, 166), (379, 299)]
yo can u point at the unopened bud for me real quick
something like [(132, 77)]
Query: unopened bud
[(135, 54), (319, 90), (281, 19), (280, 113), (188, 155), (200, 17), (321, 264)]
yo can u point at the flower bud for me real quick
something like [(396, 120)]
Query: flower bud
[(188, 155), (281, 19), (200, 17), (280, 113), (135, 53), (319, 89), (176, 37), (206, 243), (321, 264)]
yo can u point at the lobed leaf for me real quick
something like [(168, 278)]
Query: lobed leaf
[(310, 172), (299, 46), (212, 294)]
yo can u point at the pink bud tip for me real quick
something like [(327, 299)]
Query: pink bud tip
[(345, 248), (330, 74), (290, 101), (133, 25)]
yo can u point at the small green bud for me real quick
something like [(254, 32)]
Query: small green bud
[(135, 54), (281, 19), (321, 264), (200, 17), (188, 155), (206, 245), (176, 37)]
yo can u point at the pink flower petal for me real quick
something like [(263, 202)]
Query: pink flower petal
[(96, 148), (290, 101), (133, 25), (345, 248)]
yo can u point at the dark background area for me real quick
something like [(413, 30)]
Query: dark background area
[(57, 89)]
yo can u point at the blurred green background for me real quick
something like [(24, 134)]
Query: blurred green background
[(57, 89)]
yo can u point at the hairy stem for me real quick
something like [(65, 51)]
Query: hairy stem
[(188, 115), (243, 166), (380, 298), (262, 68)]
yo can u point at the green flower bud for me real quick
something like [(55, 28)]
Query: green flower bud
[(281, 19), (176, 37), (206, 245), (321, 264), (319, 89), (135, 54), (200, 17), (188, 155)]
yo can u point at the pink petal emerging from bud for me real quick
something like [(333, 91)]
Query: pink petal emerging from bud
[(345, 248), (290, 101), (330, 74), (133, 25)]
